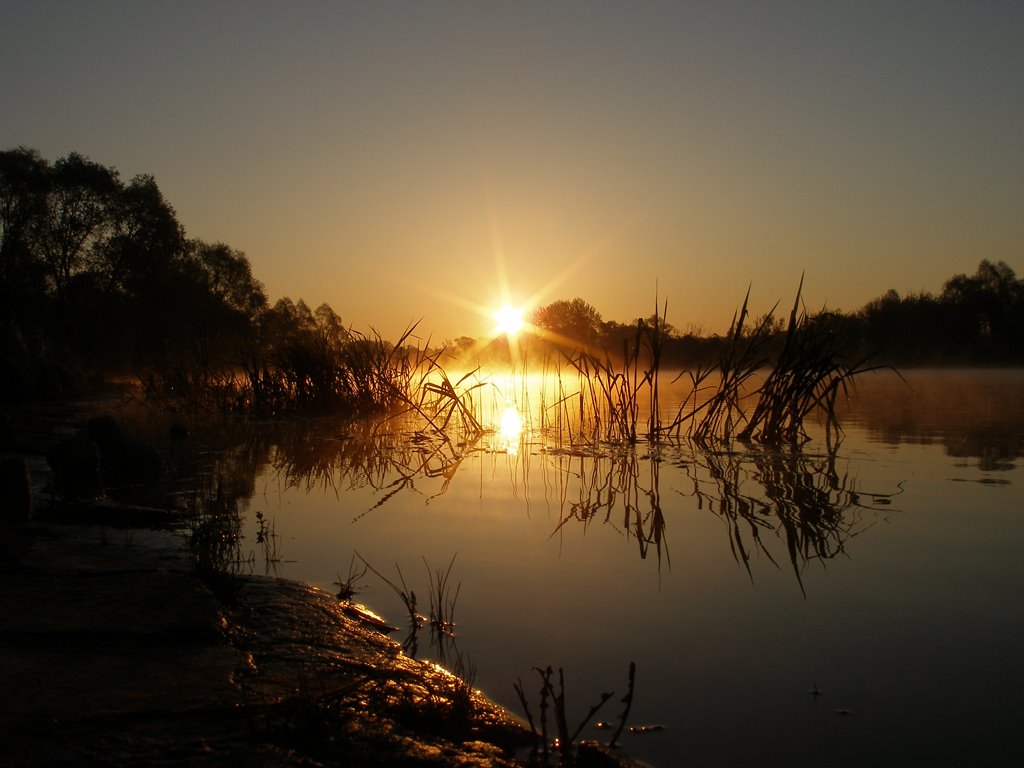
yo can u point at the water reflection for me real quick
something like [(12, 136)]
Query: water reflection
[(545, 532), (791, 506), (388, 457), (620, 490), (800, 498), (510, 428), (975, 414)]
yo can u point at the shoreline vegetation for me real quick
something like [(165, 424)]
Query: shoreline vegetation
[(166, 647), (99, 283), (98, 277)]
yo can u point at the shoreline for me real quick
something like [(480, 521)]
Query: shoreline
[(116, 651)]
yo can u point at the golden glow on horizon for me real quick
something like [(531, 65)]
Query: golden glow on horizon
[(508, 321)]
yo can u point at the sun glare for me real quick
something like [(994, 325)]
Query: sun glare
[(508, 320), (510, 429)]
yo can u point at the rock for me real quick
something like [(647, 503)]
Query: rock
[(16, 380), (592, 754), (115, 653), (105, 432)]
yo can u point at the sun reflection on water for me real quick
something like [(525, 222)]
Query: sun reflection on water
[(510, 428)]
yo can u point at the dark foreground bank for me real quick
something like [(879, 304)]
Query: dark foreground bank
[(113, 651)]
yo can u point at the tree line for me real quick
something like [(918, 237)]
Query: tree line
[(975, 320), (98, 274)]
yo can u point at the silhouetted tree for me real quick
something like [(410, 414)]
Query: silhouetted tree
[(568, 322), (229, 278), (987, 309), (977, 319), (23, 179), (75, 218), (145, 239)]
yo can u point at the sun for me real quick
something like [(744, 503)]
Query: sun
[(508, 320)]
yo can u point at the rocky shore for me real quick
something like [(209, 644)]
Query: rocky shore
[(115, 652)]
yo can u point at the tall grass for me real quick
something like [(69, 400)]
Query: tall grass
[(316, 366), (808, 375), (764, 386), (552, 697), (743, 355), (610, 391)]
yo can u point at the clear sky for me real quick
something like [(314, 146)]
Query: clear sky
[(419, 159)]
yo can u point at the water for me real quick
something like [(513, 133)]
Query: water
[(740, 580)]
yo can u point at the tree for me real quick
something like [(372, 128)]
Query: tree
[(23, 179), (574, 322), (989, 308), (75, 219), (144, 241), (229, 278)]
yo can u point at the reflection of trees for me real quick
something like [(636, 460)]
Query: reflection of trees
[(224, 458), (767, 497), (975, 414)]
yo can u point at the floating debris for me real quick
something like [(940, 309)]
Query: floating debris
[(639, 730)]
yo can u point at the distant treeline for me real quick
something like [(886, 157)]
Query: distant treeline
[(98, 275), (976, 320)]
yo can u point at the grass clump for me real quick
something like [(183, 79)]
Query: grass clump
[(766, 381), (554, 698)]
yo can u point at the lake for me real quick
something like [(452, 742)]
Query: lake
[(848, 606)]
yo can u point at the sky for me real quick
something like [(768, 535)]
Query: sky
[(428, 161)]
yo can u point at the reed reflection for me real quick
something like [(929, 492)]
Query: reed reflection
[(791, 505), (620, 490), (387, 457), (800, 499), (766, 497)]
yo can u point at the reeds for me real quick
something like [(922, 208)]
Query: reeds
[(807, 376), (610, 392), (554, 698), (742, 355), (441, 619), (349, 586), (299, 362), (764, 385)]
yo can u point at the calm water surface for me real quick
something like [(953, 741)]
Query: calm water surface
[(887, 574)]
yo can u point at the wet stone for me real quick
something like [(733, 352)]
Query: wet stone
[(113, 651)]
